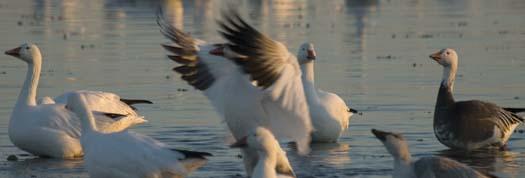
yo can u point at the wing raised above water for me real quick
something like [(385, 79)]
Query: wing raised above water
[(277, 72)]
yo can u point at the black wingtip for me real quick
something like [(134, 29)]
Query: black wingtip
[(514, 110), (193, 154), (114, 116), (135, 101)]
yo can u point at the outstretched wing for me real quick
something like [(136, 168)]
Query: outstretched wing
[(273, 68), (184, 51)]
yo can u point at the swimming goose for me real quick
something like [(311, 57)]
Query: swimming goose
[(433, 166), (330, 114), (127, 154), (279, 106), (268, 150), (47, 128), (469, 124)]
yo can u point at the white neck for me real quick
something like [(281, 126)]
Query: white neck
[(265, 167), (87, 119), (402, 168), (449, 76), (307, 77), (27, 96)]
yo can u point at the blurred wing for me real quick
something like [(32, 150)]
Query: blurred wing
[(276, 70), (184, 51)]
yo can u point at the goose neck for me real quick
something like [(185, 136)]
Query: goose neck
[(27, 96)]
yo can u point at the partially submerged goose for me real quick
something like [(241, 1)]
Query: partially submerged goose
[(273, 97), (330, 114), (433, 166), (469, 124), (47, 128), (268, 150), (127, 154)]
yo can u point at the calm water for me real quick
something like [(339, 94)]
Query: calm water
[(372, 53)]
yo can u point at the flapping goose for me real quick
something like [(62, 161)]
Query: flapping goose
[(126, 154), (469, 124), (277, 103), (433, 166), (47, 128)]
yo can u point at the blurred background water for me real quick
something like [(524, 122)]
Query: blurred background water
[(373, 53)]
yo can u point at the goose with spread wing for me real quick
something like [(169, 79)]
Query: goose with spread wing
[(472, 124), (244, 100), (127, 154), (46, 128)]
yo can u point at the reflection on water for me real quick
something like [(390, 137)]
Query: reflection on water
[(372, 53)]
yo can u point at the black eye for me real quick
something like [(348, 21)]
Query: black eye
[(27, 48), (448, 53)]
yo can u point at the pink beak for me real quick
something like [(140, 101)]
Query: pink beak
[(311, 54), (241, 143), (13, 52)]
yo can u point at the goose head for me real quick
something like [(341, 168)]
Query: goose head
[(446, 57), (261, 140), (306, 53), (27, 52), (395, 144)]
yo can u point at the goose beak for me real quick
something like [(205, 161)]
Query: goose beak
[(241, 143), (13, 52), (436, 56), (310, 54), (381, 135), (219, 51)]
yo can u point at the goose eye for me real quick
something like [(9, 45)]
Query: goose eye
[(27, 48), (448, 53)]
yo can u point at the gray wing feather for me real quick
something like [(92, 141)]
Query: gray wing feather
[(440, 167), (262, 57), (184, 48)]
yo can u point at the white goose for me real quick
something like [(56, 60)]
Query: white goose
[(433, 166), (127, 154), (268, 149), (330, 114), (276, 102), (48, 129)]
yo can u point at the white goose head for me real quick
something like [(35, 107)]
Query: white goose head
[(27, 52), (261, 140), (446, 57), (395, 144), (306, 53)]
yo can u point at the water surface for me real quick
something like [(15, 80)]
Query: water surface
[(372, 53)]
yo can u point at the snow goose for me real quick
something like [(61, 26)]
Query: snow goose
[(433, 166), (47, 128), (330, 114), (469, 124), (279, 104), (268, 149), (127, 154)]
